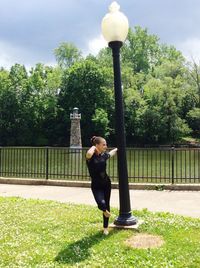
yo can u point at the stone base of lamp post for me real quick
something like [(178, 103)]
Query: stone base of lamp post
[(134, 226), (125, 220)]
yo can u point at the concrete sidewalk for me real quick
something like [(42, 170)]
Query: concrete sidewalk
[(185, 203)]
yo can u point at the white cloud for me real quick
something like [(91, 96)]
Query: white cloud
[(6, 55), (190, 49), (9, 55), (96, 44)]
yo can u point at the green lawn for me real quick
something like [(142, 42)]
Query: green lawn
[(144, 165), (50, 234)]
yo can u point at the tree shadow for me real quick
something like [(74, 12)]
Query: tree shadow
[(79, 250)]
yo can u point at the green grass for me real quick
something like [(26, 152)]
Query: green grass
[(50, 234), (144, 165)]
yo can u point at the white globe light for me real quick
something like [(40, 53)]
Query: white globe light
[(115, 24)]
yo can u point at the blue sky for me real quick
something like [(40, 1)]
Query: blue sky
[(31, 29)]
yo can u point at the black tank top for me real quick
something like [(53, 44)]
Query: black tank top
[(97, 168)]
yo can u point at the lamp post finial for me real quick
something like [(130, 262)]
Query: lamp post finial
[(114, 7)]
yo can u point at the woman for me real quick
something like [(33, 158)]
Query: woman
[(96, 158)]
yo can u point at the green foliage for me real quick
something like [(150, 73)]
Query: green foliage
[(9, 116), (11, 91), (193, 118), (141, 50), (83, 87), (104, 57), (44, 86), (101, 121), (171, 54), (194, 71), (161, 93), (50, 234), (161, 120), (67, 54), (134, 104), (29, 105), (157, 117)]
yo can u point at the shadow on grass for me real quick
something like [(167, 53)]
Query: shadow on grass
[(79, 250)]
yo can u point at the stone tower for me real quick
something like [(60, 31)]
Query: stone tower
[(75, 134)]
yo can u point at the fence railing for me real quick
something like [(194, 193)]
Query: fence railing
[(153, 165)]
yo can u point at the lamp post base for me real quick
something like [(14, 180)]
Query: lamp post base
[(126, 220), (127, 227)]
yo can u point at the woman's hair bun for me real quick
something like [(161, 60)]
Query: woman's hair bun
[(93, 140), (96, 140)]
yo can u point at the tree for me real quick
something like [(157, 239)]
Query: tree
[(85, 85), (195, 75), (67, 54), (141, 51), (193, 118), (9, 110), (133, 104), (104, 57), (101, 122), (171, 54), (13, 97), (161, 95), (44, 85), (165, 102)]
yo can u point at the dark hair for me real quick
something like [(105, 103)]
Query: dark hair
[(96, 140)]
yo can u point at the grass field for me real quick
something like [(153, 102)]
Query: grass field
[(47, 234), (144, 165)]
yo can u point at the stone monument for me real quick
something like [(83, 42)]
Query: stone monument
[(75, 150), (75, 134)]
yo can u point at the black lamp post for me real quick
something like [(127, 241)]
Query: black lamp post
[(115, 30)]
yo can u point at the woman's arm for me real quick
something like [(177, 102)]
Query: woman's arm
[(113, 152), (90, 152)]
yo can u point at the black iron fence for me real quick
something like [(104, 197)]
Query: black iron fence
[(152, 165)]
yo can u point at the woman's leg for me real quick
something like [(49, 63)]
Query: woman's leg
[(107, 192), (99, 197)]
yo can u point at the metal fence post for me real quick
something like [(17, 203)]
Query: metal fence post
[(173, 152), (47, 163)]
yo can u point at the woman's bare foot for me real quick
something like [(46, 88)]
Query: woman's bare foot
[(105, 231), (106, 213)]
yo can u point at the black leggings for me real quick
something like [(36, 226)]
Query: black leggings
[(102, 198)]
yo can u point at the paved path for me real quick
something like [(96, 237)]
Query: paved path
[(185, 203)]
